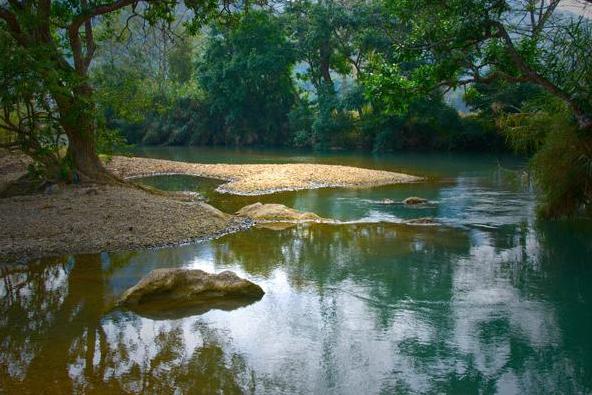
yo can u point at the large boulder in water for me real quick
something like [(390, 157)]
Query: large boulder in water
[(173, 293), (277, 213)]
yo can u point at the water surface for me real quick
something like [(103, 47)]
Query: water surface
[(490, 301)]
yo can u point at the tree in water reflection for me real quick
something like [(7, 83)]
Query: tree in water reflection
[(59, 335)]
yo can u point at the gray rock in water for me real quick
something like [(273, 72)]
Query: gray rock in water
[(415, 200), (175, 293)]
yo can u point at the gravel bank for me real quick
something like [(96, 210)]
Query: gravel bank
[(90, 219), (262, 179)]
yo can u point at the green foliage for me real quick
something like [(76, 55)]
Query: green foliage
[(431, 124), (562, 160), (180, 62), (142, 82), (562, 168), (301, 118), (500, 96), (246, 76), (242, 91), (450, 43), (332, 123), (27, 115), (52, 46)]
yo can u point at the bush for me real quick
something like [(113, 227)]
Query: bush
[(562, 160)]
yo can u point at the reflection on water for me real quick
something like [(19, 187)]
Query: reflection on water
[(490, 302)]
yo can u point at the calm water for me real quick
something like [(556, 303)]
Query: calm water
[(490, 301)]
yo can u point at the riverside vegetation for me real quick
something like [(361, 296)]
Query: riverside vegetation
[(84, 77), (362, 265)]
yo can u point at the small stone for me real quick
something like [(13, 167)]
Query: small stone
[(51, 189)]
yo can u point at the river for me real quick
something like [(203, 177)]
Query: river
[(491, 300)]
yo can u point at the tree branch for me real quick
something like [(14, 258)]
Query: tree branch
[(90, 42), (545, 16), (584, 120), (97, 11), (44, 15), (13, 26)]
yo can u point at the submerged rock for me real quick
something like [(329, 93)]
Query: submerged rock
[(415, 200), (387, 201), (421, 221), (171, 293), (277, 213), (276, 226)]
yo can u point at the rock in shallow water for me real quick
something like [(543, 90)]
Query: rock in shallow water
[(415, 200), (422, 221), (277, 213), (174, 293), (387, 201)]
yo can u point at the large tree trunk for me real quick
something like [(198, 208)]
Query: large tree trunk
[(83, 155), (324, 58), (78, 121)]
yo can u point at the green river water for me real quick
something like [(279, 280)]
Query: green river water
[(489, 301)]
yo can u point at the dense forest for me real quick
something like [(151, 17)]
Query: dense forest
[(299, 77), (471, 75)]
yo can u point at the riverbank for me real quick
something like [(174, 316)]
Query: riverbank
[(251, 179), (12, 167), (86, 219), (75, 219)]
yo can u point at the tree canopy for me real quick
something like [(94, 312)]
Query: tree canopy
[(326, 74)]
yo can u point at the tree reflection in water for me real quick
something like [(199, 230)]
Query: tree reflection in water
[(59, 336), (348, 309)]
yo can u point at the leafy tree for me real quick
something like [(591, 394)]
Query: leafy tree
[(333, 39), (27, 115), (562, 160), (142, 80), (246, 75), (55, 42), (463, 42), (181, 62)]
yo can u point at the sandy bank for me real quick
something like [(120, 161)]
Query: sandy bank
[(91, 219), (262, 179)]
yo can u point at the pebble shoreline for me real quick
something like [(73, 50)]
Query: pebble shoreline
[(255, 179)]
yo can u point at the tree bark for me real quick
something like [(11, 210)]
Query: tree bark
[(77, 120)]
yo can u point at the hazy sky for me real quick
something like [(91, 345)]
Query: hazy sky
[(579, 7)]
